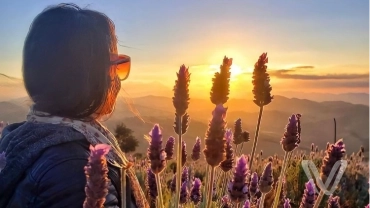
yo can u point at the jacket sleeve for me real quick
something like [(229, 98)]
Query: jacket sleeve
[(57, 181)]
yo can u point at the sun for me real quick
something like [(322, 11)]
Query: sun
[(235, 71)]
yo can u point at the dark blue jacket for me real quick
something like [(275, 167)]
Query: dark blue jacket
[(45, 168)]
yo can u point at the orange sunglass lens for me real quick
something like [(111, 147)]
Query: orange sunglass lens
[(123, 66)]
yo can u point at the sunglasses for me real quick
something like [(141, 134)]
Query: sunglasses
[(122, 64)]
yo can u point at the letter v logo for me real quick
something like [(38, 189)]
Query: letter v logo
[(340, 164)]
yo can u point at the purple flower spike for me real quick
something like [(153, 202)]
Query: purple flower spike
[(308, 199), (261, 82), (96, 172), (266, 180), (170, 148), (195, 194), (215, 137), (290, 139), (151, 185), (195, 155), (185, 175), (253, 185), (247, 204), (181, 98), (334, 153), (184, 193), (155, 152), (287, 203), (228, 135), (2, 161), (333, 202), (227, 164), (238, 187)]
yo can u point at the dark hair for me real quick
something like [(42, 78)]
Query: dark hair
[(66, 62)]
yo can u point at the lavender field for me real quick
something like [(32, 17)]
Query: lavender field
[(218, 172)]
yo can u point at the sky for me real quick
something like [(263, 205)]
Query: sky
[(313, 46)]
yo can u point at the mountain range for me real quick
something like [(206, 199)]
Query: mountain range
[(141, 113)]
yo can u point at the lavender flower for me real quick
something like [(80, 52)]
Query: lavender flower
[(261, 82), (151, 185), (184, 124), (184, 193), (299, 127), (291, 137), (184, 154), (287, 203), (185, 175), (184, 178), (266, 180), (195, 155), (308, 199), (225, 202), (96, 172), (312, 147), (181, 91), (333, 154), (247, 204), (333, 202), (170, 148), (195, 193), (220, 88), (215, 143), (2, 161), (238, 188), (253, 185), (155, 152), (227, 164)]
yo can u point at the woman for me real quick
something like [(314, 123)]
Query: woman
[(73, 73)]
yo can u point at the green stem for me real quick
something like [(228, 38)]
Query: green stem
[(205, 188), (256, 137), (210, 190), (159, 190), (262, 200), (319, 198), (280, 182), (241, 149), (179, 162)]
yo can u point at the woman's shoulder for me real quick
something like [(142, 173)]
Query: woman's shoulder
[(71, 155)]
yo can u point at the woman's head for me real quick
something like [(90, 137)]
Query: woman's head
[(67, 67)]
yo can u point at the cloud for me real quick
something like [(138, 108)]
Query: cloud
[(336, 84), (286, 74), (303, 67)]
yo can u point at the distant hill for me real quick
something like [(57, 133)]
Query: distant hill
[(317, 119), (355, 98)]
